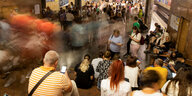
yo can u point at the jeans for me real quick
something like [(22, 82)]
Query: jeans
[(99, 85)]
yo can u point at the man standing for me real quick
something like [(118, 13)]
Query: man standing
[(55, 84), (70, 17)]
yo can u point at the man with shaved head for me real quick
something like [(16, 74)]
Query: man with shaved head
[(56, 83)]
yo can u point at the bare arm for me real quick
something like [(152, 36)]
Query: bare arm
[(69, 87), (134, 39)]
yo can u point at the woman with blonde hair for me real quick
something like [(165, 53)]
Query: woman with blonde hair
[(84, 73)]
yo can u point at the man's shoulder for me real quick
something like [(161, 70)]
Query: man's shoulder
[(149, 68), (39, 70), (36, 70)]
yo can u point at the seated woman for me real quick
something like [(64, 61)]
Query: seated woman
[(181, 85), (149, 83), (84, 73), (163, 48), (115, 85), (132, 71)]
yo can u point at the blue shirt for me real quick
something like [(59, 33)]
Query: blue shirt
[(113, 47)]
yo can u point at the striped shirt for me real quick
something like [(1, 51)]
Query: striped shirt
[(54, 85)]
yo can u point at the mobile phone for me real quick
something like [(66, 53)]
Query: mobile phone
[(138, 61), (63, 69)]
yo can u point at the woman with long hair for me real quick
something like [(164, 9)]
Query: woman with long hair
[(115, 85), (84, 73), (135, 43), (181, 85)]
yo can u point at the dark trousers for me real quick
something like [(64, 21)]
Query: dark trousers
[(113, 53), (128, 46)]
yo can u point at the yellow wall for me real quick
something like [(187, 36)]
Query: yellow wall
[(83, 2), (55, 5)]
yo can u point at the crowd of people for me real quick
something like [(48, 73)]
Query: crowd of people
[(113, 76), (94, 11), (166, 75)]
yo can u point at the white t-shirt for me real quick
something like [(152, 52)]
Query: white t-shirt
[(132, 74), (95, 63), (70, 17), (124, 88), (138, 37), (173, 89), (114, 47), (140, 93), (163, 37)]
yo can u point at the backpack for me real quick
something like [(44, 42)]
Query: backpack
[(142, 41), (63, 17)]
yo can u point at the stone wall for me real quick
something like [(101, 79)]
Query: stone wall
[(23, 6), (183, 9)]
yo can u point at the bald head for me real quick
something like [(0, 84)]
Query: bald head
[(51, 57)]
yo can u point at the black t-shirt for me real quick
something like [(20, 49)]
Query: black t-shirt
[(83, 79), (179, 65), (167, 46)]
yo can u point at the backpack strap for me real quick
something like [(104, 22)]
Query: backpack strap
[(40, 81), (126, 79)]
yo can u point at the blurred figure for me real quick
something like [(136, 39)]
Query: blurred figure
[(132, 72), (84, 73), (115, 85), (149, 84), (140, 15), (69, 18), (49, 13), (5, 32), (62, 18), (103, 68), (181, 85)]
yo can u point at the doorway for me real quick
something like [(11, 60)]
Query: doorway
[(182, 35)]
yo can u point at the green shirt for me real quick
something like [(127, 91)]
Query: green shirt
[(136, 24)]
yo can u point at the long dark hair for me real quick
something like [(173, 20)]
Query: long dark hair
[(184, 80), (137, 30)]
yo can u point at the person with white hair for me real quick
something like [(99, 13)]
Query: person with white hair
[(45, 80)]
